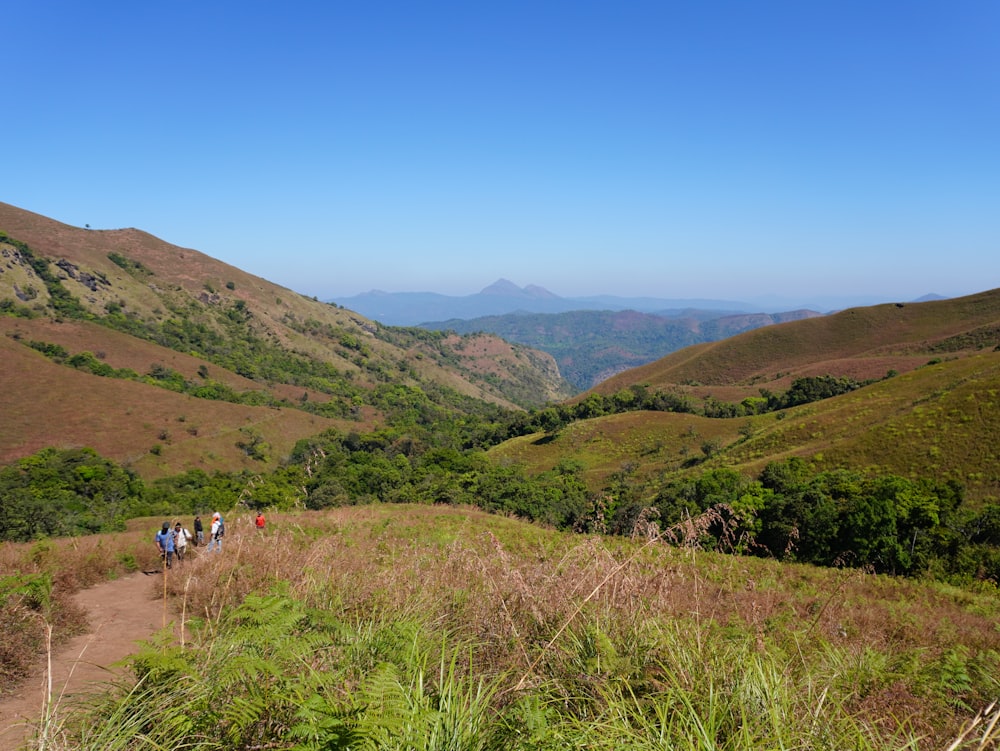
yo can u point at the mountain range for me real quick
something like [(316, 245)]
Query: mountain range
[(503, 297), (591, 338)]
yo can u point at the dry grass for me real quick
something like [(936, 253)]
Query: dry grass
[(46, 404), (524, 595), (538, 603), (861, 342)]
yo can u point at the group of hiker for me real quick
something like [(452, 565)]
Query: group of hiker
[(172, 543)]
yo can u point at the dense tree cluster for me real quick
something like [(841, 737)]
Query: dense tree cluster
[(389, 467), (58, 493), (887, 523)]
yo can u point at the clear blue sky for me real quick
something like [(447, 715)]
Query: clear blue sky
[(802, 149)]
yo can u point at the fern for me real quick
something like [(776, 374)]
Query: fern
[(260, 684), (954, 677), (411, 710)]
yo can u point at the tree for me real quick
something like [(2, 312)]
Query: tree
[(65, 492)]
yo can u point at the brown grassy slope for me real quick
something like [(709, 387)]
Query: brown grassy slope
[(940, 421), (44, 404), (494, 358), (860, 343), (120, 350), (184, 283), (475, 363)]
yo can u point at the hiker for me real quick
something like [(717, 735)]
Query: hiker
[(259, 521), (199, 532), (215, 533), (165, 544), (181, 537)]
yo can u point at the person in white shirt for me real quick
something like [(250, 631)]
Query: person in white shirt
[(181, 537), (215, 535)]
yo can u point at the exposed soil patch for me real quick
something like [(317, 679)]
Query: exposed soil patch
[(121, 613)]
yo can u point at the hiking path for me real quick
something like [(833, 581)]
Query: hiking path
[(120, 613)]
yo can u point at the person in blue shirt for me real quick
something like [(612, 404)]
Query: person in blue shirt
[(165, 544)]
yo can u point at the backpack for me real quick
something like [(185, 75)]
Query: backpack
[(222, 529)]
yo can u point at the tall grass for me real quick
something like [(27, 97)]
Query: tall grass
[(430, 628)]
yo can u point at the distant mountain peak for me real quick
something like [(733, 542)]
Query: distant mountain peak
[(503, 288), (507, 288)]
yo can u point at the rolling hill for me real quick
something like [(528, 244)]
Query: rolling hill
[(859, 342), (167, 359), (931, 406)]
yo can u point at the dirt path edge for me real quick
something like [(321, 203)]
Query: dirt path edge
[(121, 613)]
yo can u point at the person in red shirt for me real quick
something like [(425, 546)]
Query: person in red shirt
[(259, 521)]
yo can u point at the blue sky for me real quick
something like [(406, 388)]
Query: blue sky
[(797, 150)]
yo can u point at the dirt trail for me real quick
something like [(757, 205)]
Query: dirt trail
[(120, 613)]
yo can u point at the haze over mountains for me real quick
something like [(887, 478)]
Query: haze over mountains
[(591, 338), (503, 296)]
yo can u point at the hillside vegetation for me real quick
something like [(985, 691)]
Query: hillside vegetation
[(930, 406), (861, 343), (217, 389), (941, 420), (141, 379), (159, 356)]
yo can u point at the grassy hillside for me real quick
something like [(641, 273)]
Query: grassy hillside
[(430, 627), (942, 420), (151, 317), (46, 404), (861, 343), (165, 360), (938, 416), (435, 626)]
